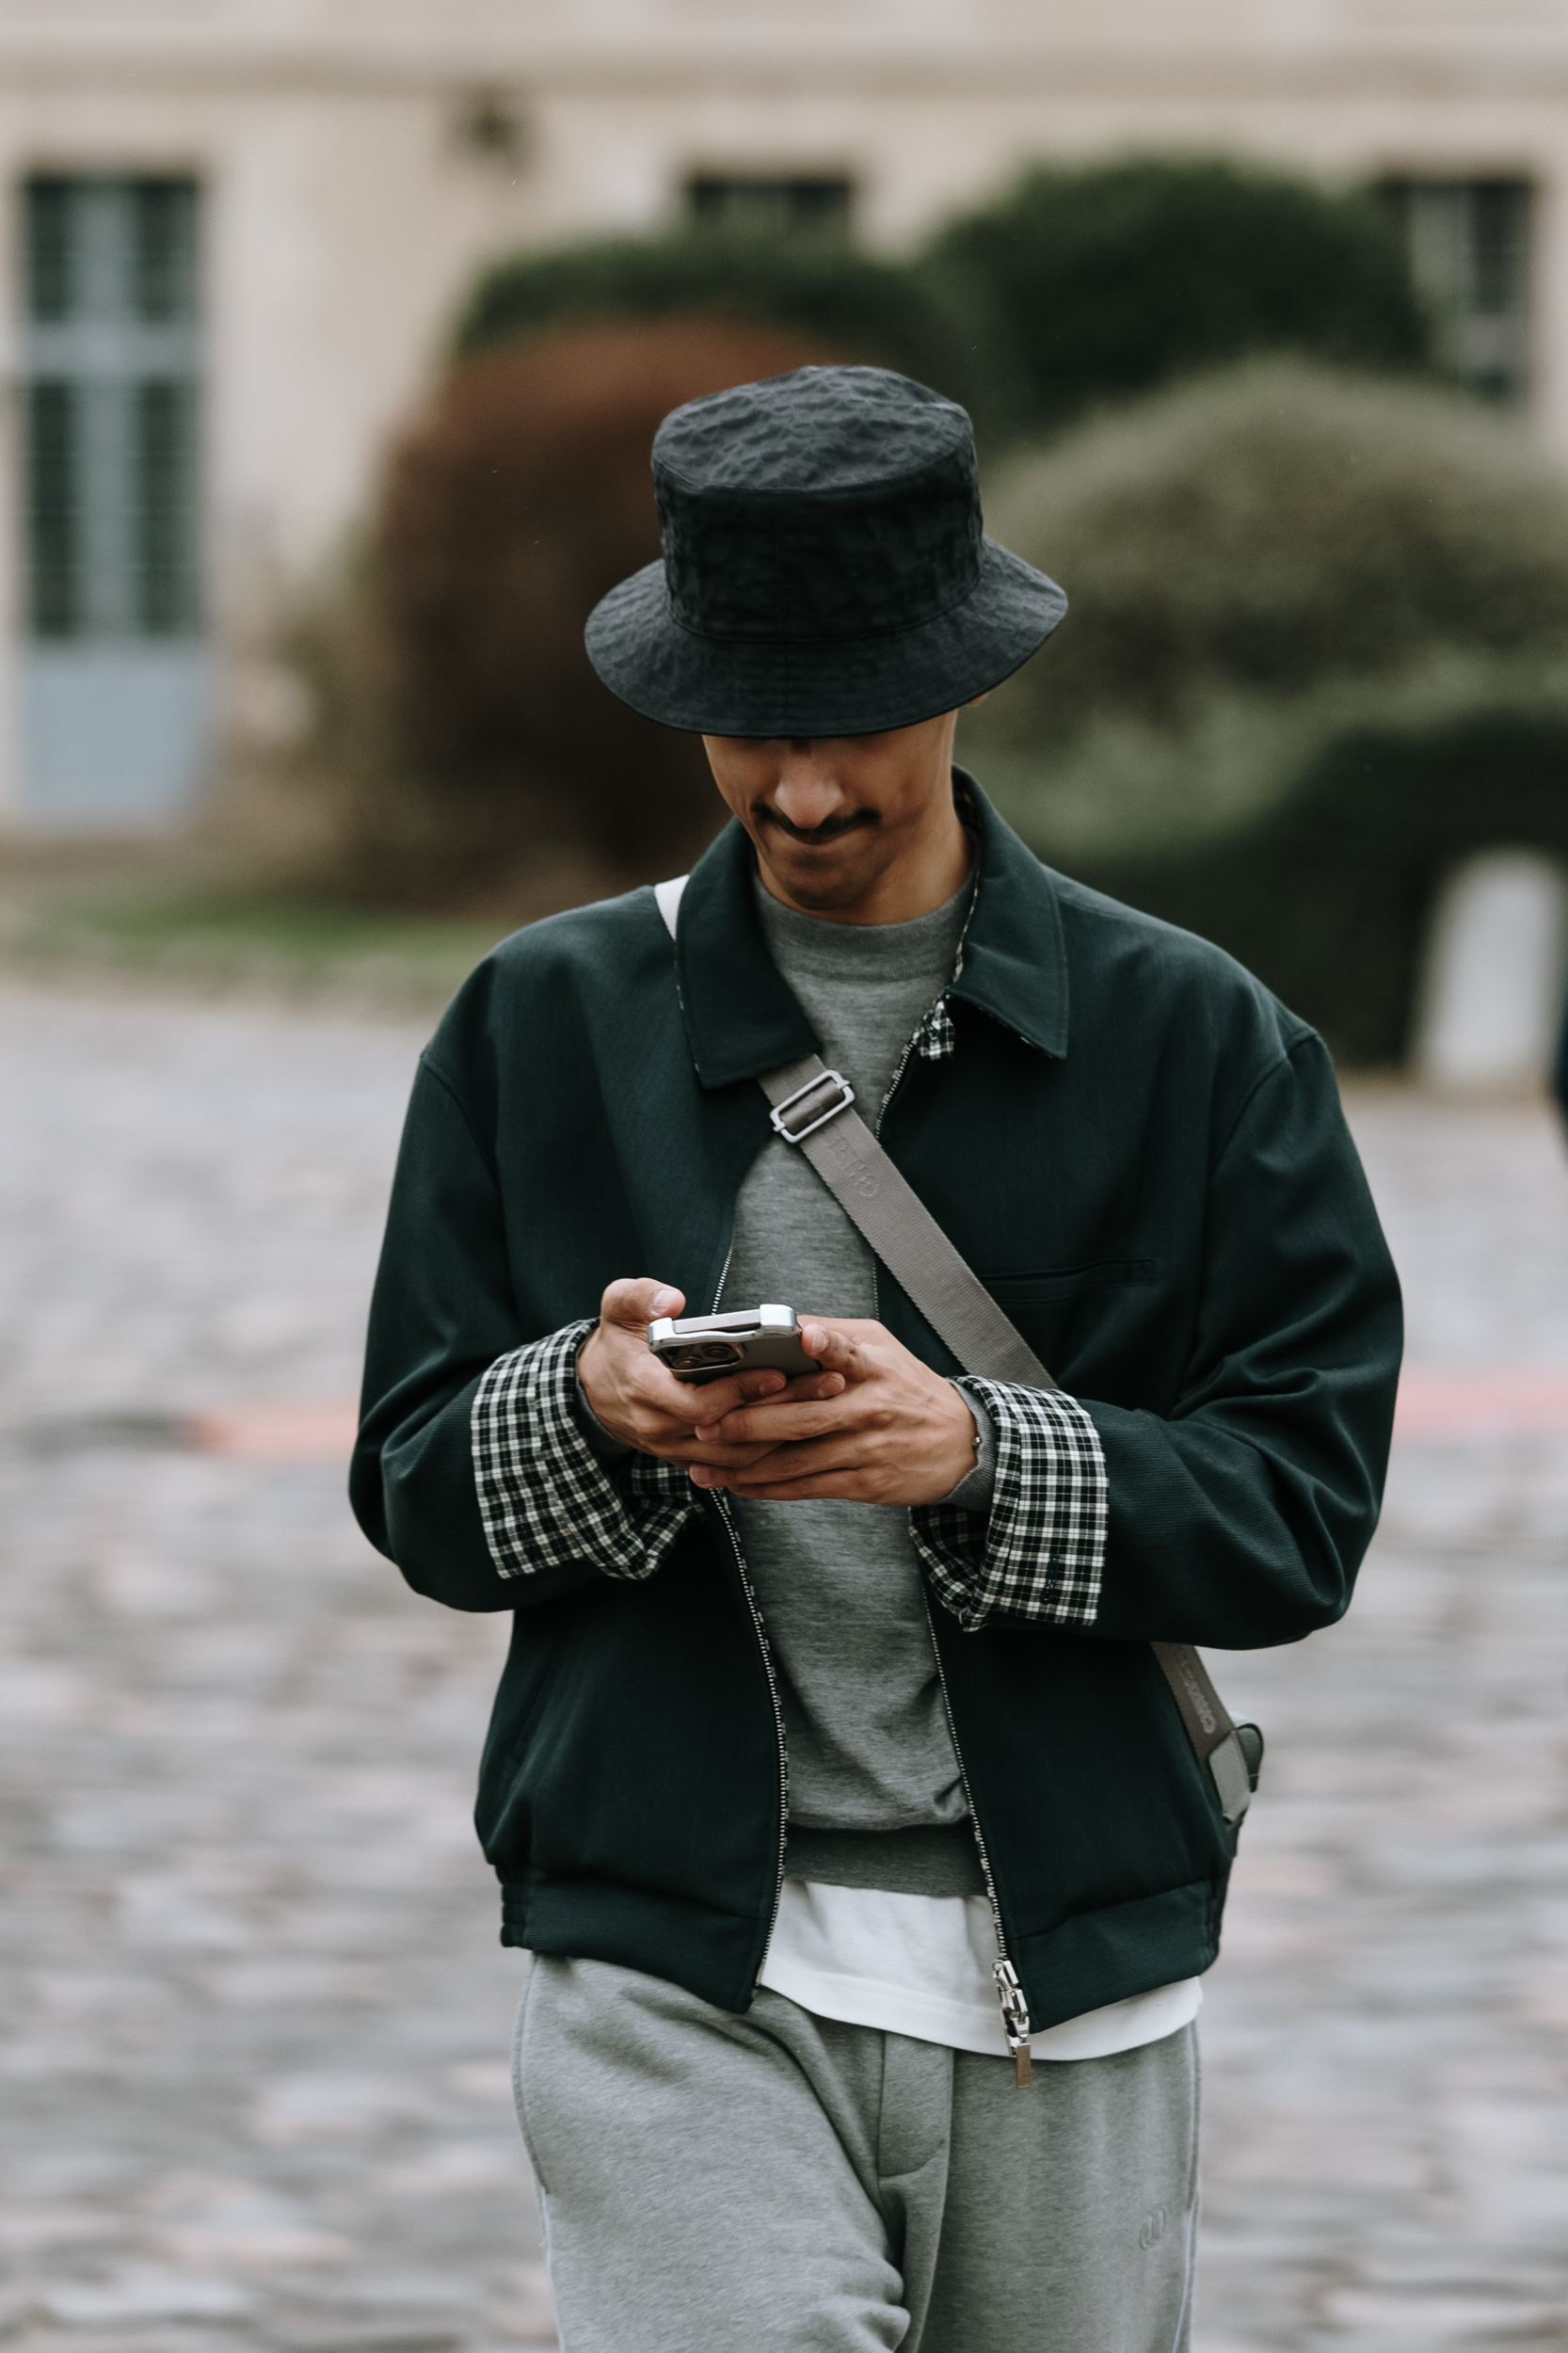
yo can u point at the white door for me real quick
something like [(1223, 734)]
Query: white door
[(116, 691)]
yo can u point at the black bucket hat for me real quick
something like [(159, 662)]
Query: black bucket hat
[(824, 570)]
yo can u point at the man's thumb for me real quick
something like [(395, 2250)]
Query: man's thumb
[(636, 1303)]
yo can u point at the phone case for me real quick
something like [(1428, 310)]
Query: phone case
[(699, 1349)]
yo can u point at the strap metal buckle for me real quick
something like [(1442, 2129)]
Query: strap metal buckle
[(813, 1111), (1234, 1765)]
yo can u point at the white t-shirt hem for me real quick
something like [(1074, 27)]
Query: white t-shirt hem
[(930, 1982), (894, 2008)]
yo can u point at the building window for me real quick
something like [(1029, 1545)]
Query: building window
[(164, 535), (49, 249), (807, 204), (162, 244), (109, 355), (1470, 249), (54, 473)]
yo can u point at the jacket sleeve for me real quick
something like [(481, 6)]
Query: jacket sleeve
[(1240, 1518), (473, 1469)]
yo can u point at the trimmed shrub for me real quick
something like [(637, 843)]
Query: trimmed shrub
[(1093, 285), (516, 500), (1264, 532), (849, 304), (1325, 886)]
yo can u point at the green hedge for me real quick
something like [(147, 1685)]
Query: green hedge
[(1093, 285), (861, 307), (1268, 531)]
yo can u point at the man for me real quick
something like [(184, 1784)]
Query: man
[(830, 1702)]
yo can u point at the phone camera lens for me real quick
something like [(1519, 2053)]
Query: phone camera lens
[(702, 1355)]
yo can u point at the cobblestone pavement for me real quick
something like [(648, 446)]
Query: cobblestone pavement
[(1386, 2034), (253, 2019)]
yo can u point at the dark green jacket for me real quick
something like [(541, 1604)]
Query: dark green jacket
[(1142, 1153)]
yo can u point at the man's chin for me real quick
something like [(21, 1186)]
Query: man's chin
[(815, 879)]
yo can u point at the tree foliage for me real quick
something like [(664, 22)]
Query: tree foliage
[(1073, 289), (850, 304), (1313, 658), (1326, 889), (1091, 285), (521, 496), (1268, 530)]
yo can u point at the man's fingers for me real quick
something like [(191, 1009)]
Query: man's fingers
[(782, 1421), (722, 1399), (831, 1467), (834, 1349), (725, 1461), (673, 1442), (791, 1461), (665, 1410), (824, 1487), (635, 1301), (714, 1400)]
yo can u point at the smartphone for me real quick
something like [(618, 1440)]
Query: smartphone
[(698, 1348)]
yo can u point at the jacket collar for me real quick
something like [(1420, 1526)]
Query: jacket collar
[(742, 1017)]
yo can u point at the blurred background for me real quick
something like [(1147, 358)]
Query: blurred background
[(337, 337), (334, 338)]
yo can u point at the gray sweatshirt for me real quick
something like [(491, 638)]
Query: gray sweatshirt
[(874, 1785)]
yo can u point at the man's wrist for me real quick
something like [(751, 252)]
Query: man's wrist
[(973, 1491), (606, 1445)]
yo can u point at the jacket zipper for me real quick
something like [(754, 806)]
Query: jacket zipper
[(724, 1273), (722, 1499), (1010, 1992)]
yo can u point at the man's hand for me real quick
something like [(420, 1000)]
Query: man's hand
[(897, 1432), (640, 1400)]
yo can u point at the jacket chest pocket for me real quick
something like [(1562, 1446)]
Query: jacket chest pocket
[(1078, 1315), (1044, 1286)]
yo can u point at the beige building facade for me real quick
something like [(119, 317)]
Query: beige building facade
[(239, 229)]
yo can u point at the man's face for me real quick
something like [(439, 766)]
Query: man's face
[(831, 816)]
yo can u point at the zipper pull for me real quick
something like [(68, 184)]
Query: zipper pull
[(1015, 2018)]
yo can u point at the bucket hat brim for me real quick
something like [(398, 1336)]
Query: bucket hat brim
[(710, 685)]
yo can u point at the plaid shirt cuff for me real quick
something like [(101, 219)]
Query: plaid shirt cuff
[(545, 1499), (1041, 1553)]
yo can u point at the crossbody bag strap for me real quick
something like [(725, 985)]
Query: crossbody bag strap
[(813, 1110)]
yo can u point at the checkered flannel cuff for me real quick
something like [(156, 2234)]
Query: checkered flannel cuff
[(545, 1499), (1041, 1553)]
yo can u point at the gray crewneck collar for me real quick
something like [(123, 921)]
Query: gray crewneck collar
[(926, 946)]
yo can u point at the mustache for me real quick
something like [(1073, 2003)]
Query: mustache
[(829, 830)]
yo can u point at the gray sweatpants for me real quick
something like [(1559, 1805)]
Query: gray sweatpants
[(783, 2184)]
